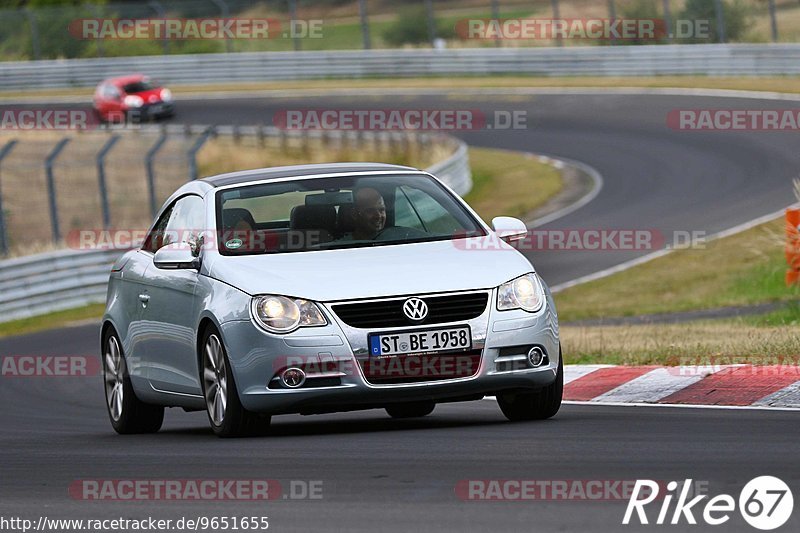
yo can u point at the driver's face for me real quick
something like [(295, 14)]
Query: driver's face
[(370, 211)]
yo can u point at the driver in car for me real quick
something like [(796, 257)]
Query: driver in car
[(369, 216)]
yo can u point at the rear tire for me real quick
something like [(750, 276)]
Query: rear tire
[(227, 416), (127, 413), (536, 405), (411, 410)]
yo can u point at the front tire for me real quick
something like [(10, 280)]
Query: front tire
[(410, 410), (227, 416), (537, 405), (127, 413)]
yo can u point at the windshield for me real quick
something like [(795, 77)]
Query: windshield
[(341, 212), (139, 86)]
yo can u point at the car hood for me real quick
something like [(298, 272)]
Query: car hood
[(151, 96), (331, 275)]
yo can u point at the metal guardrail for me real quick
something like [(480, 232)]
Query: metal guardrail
[(647, 60), (53, 281), (65, 279)]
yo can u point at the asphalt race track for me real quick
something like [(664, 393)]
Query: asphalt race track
[(379, 474)]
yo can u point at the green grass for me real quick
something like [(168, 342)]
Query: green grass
[(788, 316), (740, 340), (743, 269), (506, 183), (55, 320)]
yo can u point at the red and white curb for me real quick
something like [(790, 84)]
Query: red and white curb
[(748, 386)]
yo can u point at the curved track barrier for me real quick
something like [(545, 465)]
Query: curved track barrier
[(650, 60)]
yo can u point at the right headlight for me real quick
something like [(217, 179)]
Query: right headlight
[(525, 292), (279, 314)]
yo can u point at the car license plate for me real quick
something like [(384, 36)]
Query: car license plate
[(431, 341)]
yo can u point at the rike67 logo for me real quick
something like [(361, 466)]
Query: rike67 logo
[(765, 503)]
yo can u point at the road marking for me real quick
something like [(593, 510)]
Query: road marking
[(742, 385), (573, 372), (785, 397), (602, 381), (651, 387), (683, 406)]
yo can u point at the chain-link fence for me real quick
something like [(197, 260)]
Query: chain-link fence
[(53, 184), (106, 29), (58, 187)]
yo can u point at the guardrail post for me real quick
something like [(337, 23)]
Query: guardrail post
[(496, 16), (3, 233), (362, 13), (34, 34), (612, 14), (156, 6), (718, 11), (667, 20), (151, 175), (101, 179), (98, 12), (51, 187), (292, 18), (262, 136), (773, 21), (557, 16), (226, 12), (196, 148), (431, 21)]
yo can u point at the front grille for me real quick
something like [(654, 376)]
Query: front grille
[(389, 313), (420, 368)]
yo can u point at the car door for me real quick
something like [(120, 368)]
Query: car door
[(130, 326), (170, 308)]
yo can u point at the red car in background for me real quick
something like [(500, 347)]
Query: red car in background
[(134, 98)]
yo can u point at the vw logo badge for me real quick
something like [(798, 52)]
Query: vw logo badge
[(415, 309)]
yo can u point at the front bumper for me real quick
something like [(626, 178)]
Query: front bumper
[(151, 111), (257, 357)]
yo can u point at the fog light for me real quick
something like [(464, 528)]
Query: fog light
[(293, 378), (535, 356)]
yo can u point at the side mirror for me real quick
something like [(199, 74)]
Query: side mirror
[(509, 229), (176, 256)]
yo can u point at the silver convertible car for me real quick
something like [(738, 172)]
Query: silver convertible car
[(323, 288)]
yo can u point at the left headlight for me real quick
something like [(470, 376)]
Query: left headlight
[(133, 100), (525, 292), (166, 95), (279, 314)]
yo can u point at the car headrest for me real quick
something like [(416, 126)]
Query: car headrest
[(317, 217), (234, 215), (345, 218)]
